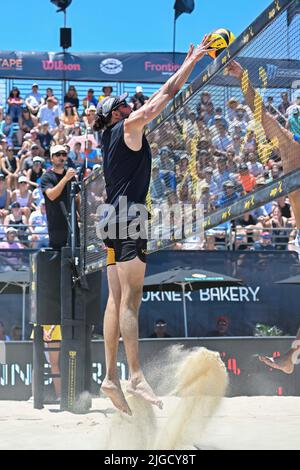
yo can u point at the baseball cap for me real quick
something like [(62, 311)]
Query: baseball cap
[(228, 184), (45, 123), (218, 116), (106, 106), (244, 167), (96, 166), (92, 108), (22, 179), (90, 90), (107, 86), (37, 160), (57, 148), (27, 136), (11, 229), (34, 84), (296, 110), (139, 89), (15, 204), (266, 235), (2, 176), (34, 146), (160, 322)]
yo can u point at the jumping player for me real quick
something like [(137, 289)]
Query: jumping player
[(127, 171)]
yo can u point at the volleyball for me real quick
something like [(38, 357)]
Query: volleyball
[(221, 38)]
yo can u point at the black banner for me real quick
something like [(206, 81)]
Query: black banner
[(144, 67), (247, 375)]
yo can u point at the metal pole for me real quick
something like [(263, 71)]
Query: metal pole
[(174, 38), (23, 310), (184, 311)]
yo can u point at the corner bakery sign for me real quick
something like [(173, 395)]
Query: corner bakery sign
[(11, 64)]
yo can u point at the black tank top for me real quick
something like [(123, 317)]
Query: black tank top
[(126, 172)]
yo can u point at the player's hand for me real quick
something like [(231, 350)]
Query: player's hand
[(71, 173), (234, 69), (199, 51)]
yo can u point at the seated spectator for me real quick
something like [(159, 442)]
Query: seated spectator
[(76, 131), (293, 123), (232, 105), (16, 333), (49, 94), (160, 330), (165, 161), (228, 195), (107, 91), (222, 327), (205, 100), (218, 115), (255, 167), (26, 161), (49, 113), (249, 143), (35, 141), (265, 243), (246, 220), (221, 174), (77, 155), (247, 180), (13, 260), (7, 129), (92, 155), (5, 197), (295, 104), (158, 186), (14, 102), (270, 106), (18, 221), (60, 135), (35, 173), (10, 167), (280, 226), (45, 138), (37, 197), (240, 120), (89, 100), (23, 196), (34, 100), (284, 207), (209, 179), (26, 123), (285, 103), (89, 118), (3, 336), (221, 139), (69, 117), (71, 97), (241, 242), (38, 228), (138, 99), (209, 241)]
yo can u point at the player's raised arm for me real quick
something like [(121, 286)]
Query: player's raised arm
[(159, 100)]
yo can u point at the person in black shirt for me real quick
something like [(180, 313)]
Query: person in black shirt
[(160, 330), (56, 186), (127, 171)]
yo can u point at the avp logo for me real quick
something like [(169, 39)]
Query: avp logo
[(271, 71), (111, 66)]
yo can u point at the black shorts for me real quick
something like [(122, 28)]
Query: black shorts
[(125, 249)]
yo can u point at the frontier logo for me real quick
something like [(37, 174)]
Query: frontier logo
[(11, 64), (60, 65)]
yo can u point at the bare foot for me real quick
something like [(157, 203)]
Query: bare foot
[(139, 386), (114, 392), (283, 363)]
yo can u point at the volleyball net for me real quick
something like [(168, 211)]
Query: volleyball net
[(221, 148)]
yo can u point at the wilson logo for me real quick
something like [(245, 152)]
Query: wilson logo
[(59, 65)]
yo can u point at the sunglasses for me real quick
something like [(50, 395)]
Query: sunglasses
[(60, 154)]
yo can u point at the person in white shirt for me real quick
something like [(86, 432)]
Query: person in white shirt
[(34, 100), (50, 113)]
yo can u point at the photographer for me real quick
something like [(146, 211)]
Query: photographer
[(56, 187)]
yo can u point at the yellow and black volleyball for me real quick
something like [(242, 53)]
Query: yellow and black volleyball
[(221, 38)]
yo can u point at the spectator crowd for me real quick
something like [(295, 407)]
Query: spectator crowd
[(205, 153)]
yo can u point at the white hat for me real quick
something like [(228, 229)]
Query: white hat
[(38, 160), (22, 179), (57, 148), (139, 89)]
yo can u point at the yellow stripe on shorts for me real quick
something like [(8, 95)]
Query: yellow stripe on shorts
[(110, 259)]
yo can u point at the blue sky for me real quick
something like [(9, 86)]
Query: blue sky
[(120, 25)]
